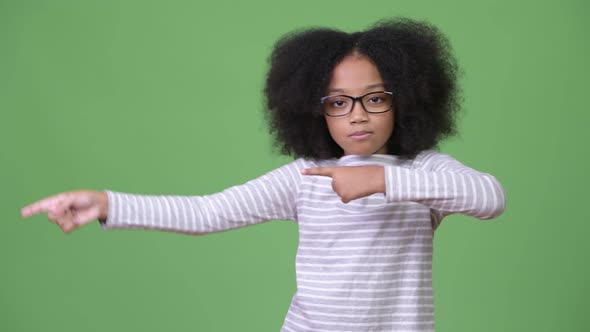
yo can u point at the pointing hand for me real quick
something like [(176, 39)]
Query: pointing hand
[(352, 182), (71, 210)]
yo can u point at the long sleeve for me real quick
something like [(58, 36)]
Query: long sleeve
[(269, 197), (445, 185)]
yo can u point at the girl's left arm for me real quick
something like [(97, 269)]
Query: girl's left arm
[(444, 184)]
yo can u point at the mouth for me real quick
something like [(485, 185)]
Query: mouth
[(360, 135)]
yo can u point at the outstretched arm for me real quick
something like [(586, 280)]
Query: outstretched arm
[(269, 197)]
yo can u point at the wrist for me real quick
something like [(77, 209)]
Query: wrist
[(103, 204), (380, 179)]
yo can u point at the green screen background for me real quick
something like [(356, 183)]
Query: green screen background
[(164, 97)]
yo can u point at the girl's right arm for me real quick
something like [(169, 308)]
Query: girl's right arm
[(269, 197)]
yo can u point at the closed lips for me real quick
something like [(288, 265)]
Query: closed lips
[(360, 133)]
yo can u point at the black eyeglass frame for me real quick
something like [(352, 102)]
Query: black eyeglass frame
[(359, 99)]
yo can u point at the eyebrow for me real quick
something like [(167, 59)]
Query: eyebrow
[(382, 85)]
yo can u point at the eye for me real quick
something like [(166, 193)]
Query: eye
[(337, 102), (375, 100)]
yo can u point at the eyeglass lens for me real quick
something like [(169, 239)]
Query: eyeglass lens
[(376, 102)]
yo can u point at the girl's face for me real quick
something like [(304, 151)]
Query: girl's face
[(359, 132)]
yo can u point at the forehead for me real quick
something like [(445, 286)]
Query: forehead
[(354, 72)]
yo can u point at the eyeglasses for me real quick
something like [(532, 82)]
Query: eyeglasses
[(373, 102)]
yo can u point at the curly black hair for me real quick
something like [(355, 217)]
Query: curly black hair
[(414, 59)]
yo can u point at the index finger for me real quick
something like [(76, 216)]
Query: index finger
[(321, 171), (43, 205)]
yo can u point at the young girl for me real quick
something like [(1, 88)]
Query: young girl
[(361, 112)]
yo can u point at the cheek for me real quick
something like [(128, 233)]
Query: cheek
[(333, 126), (387, 124)]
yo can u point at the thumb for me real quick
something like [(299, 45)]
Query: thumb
[(320, 171)]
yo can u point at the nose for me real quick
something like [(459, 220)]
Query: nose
[(358, 114)]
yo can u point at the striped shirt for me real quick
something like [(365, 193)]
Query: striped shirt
[(361, 266)]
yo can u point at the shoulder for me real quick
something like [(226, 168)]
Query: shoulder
[(293, 169), (432, 160), (306, 163)]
